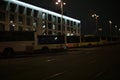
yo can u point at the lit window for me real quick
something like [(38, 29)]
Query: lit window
[(54, 19), (34, 29), (68, 34), (34, 22), (27, 29), (20, 20), (56, 38), (54, 33), (53, 26), (43, 15), (43, 26)]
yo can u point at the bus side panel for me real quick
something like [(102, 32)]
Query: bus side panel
[(73, 41), (17, 46), (50, 42), (18, 41)]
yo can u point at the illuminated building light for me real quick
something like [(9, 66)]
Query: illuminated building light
[(41, 9), (13, 25), (59, 0), (11, 22), (56, 38)]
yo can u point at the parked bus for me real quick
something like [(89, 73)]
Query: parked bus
[(50, 42), (16, 41), (90, 40), (73, 41), (26, 41)]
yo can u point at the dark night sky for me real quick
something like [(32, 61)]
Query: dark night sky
[(83, 9)]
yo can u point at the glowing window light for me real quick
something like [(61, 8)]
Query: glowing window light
[(59, 0), (55, 38), (41, 9)]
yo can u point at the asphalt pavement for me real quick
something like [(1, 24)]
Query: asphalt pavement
[(96, 63)]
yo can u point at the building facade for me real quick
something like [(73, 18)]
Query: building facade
[(20, 16)]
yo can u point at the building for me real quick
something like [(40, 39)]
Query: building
[(20, 16)]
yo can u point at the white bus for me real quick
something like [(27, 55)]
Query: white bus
[(12, 42), (73, 41), (16, 41), (50, 42), (90, 40)]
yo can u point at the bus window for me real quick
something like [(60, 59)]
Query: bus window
[(51, 39), (73, 39)]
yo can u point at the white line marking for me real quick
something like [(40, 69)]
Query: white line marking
[(54, 75)]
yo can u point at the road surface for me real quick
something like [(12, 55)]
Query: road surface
[(97, 63)]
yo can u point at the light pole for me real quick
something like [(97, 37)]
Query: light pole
[(61, 6), (96, 21), (119, 32), (116, 30), (110, 24), (98, 30)]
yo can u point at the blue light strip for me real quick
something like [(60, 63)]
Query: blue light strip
[(41, 9)]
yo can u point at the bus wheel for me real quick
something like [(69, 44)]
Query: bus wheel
[(45, 49), (8, 52)]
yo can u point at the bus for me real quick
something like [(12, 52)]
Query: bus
[(12, 42), (90, 40), (73, 41), (16, 41), (50, 42)]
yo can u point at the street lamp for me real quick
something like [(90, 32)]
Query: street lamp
[(61, 6), (119, 32), (110, 24), (96, 21), (116, 29)]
